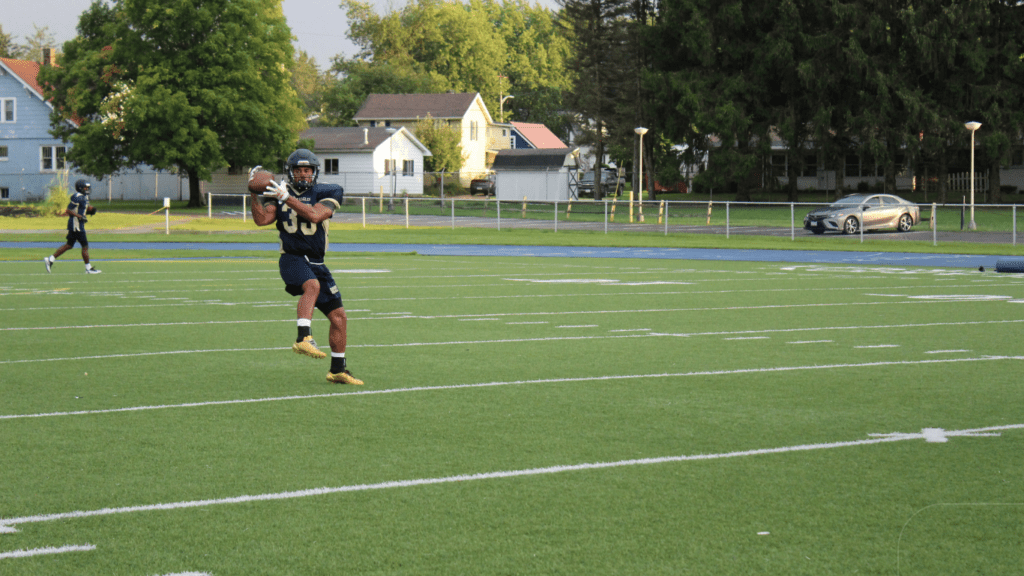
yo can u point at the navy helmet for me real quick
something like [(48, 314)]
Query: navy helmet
[(302, 157), (83, 187)]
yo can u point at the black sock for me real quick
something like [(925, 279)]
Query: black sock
[(337, 365), (303, 332)]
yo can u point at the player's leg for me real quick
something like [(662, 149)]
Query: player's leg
[(338, 337), (300, 281), (85, 258), (49, 260)]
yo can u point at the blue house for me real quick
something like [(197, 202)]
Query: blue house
[(31, 159)]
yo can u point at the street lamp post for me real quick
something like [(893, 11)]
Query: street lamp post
[(391, 143), (501, 107), (640, 193), (972, 126)]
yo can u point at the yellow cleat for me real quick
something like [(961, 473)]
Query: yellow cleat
[(344, 377), (308, 347)]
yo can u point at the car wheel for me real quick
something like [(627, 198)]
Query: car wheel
[(851, 226), (904, 224)]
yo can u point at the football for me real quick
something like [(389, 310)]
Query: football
[(90, 210), (259, 180)]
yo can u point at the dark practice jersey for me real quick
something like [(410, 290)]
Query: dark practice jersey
[(300, 236), (79, 202)]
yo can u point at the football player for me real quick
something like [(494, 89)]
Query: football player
[(76, 213), (302, 210)]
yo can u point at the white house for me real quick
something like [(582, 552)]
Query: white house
[(481, 137), (31, 159), (369, 161)]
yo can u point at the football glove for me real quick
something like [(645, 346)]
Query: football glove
[(254, 170), (279, 191)]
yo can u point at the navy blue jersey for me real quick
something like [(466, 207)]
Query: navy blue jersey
[(300, 236), (79, 202)]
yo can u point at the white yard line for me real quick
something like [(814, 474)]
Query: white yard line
[(48, 550), (928, 434), (518, 382)]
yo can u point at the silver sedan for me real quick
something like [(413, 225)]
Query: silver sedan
[(876, 211)]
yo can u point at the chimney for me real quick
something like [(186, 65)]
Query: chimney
[(366, 136), (49, 57)]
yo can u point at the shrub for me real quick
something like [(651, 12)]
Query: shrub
[(57, 198)]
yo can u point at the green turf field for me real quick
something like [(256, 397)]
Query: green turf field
[(520, 416)]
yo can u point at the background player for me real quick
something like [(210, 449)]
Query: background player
[(76, 213), (302, 210)]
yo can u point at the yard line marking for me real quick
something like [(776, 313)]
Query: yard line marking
[(875, 439), (146, 324), (578, 326), (810, 342), (518, 323), (748, 338), (631, 330), (48, 550), (509, 383), (945, 351), (880, 346), (477, 319)]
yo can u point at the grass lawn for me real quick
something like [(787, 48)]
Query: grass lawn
[(520, 416)]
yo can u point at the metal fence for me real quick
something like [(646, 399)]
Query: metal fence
[(995, 223)]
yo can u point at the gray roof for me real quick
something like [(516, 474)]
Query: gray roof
[(345, 139), (414, 106), (532, 159)]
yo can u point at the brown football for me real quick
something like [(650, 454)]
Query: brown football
[(90, 210), (259, 181)]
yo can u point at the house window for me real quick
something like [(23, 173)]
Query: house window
[(331, 166), (408, 167), (779, 164), (52, 158), (7, 110), (373, 123), (810, 165), (853, 165), (512, 141), (387, 166), (5, 193), (472, 129), (3, 153)]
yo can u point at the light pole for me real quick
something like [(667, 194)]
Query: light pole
[(972, 126), (640, 193), (391, 143), (501, 107)]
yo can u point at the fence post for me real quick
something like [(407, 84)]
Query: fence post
[(1014, 224), (606, 214), (497, 203), (364, 211), (556, 215), (407, 212), (209, 204), (792, 222), (243, 208), (935, 227), (726, 220), (453, 213)]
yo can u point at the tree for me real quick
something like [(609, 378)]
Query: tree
[(194, 85), (599, 35), (7, 45), (444, 143), (433, 46)]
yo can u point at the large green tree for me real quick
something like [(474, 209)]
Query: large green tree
[(599, 31), (494, 48), (193, 85)]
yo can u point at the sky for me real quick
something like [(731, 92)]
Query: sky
[(319, 26)]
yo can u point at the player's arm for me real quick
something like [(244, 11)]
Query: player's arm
[(315, 214), (262, 215)]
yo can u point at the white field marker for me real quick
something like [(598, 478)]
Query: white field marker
[(49, 550), (514, 383), (929, 434)]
